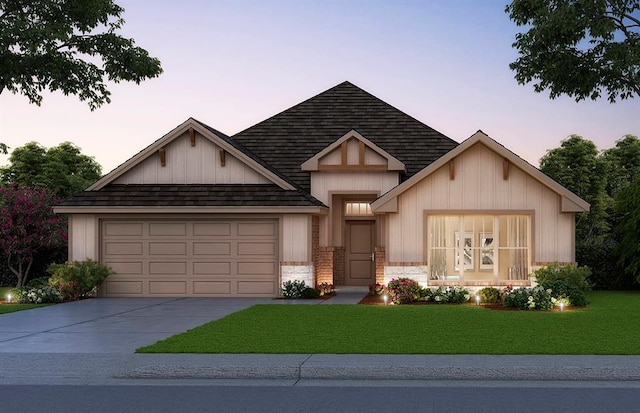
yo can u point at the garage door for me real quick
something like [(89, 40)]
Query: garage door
[(205, 258)]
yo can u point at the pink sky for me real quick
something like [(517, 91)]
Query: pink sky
[(233, 64)]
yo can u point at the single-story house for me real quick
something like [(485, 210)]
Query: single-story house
[(342, 188)]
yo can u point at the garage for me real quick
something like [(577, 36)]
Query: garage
[(160, 257)]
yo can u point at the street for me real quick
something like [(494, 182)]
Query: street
[(324, 396)]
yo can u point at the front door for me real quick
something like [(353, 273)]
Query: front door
[(360, 266)]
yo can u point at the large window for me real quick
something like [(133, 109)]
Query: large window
[(479, 247)]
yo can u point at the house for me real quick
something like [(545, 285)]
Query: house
[(342, 188)]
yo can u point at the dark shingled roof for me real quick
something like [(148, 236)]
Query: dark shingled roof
[(191, 195), (289, 138)]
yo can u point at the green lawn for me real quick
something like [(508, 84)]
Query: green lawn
[(10, 308), (609, 325)]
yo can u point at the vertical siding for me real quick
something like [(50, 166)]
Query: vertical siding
[(186, 164), (479, 186), (82, 232), (371, 157), (295, 238)]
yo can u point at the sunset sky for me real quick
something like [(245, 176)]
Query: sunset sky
[(234, 63)]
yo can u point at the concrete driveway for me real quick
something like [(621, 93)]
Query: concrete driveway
[(110, 325)]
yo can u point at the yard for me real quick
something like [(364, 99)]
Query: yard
[(609, 325)]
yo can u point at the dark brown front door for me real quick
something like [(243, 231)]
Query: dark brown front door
[(360, 265)]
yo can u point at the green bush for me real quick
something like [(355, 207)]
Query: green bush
[(578, 276), (78, 280), (37, 291), (448, 295), (489, 295), (293, 289), (310, 292), (536, 298), (561, 290)]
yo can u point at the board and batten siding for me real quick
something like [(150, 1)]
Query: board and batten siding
[(479, 187), (296, 238), (83, 236), (186, 164)]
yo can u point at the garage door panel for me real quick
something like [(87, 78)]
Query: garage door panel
[(212, 287), (185, 257), (212, 248), (126, 268), (167, 248), (125, 229), (256, 268), (168, 287), (212, 268), (256, 248), (165, 267), (256, 229), (218, 229), (256, 287), (123, 287), (167, 229), (123, 248)]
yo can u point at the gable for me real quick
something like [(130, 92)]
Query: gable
[(202, 162), (481, 174), (353, 152), (192, 154)]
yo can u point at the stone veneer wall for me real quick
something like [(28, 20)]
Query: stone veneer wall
[(338, 266), (380, 259), (324, 265), (415, 271), (297, 271)]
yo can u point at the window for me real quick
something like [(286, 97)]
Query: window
[(357, 209), (478, 247)]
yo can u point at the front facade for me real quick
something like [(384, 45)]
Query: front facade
[(342, 189)]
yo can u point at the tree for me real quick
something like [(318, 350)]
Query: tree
[(624, 164), (628, 228), (68, 45), (576, 165), (579, 48), (27, 226), (63, 169)]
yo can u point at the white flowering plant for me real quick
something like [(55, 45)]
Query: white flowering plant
[(536, 298), (447, 295)]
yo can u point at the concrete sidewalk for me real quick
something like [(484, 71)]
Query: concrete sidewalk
[(44, 368)]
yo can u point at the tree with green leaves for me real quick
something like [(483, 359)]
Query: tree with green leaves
[(68, 45), (624, 164), (62, 169), (578, 166), (579, 48), (628, 230)]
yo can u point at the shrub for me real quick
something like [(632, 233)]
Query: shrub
[(489, 295), (578, 276), (536, 298), (326, 289), (78, 279), (376, 289), (310, 292), (448, 295), (403, 290), (569, 293), (37, 291), (293, 289)]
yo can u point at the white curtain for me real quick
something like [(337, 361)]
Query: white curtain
[(438, 253), (517, 238)]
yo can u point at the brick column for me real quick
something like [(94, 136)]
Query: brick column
[(315, 246), (338, 266), (324, 265), (380, 259)]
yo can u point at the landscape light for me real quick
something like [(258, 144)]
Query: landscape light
[(561, 305), (9, 298), (385, 299), (477, 299)]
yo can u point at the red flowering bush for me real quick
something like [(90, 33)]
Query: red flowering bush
[(403, 290)]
